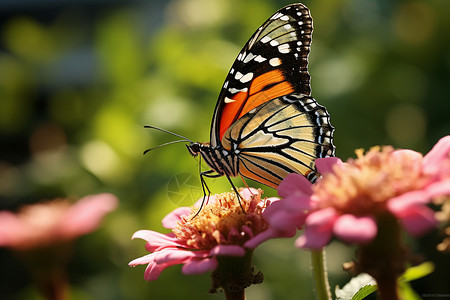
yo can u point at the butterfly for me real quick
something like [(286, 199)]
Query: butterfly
[(265, 123)]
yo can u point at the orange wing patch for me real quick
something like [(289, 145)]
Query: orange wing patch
[(243, 102)]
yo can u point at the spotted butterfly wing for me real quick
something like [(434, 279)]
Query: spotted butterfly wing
[(265, 123)]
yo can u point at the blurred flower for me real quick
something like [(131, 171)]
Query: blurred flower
[(367, 201), (351, 196), (41, 234), (210, 240), (43, 224)]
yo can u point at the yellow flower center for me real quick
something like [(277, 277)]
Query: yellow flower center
[(364, 185), (222, 222)]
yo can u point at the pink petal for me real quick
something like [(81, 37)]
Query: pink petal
[(149, 258), (171, 220), (208, 200), (175, 256), (199, 266), (325, 165), (247, 193), (297, 203), (152, 272), (227, 250), (411, 154), (85, 215), (320, 218), (400, 203), (156, 240), (267, 235), (439, 153), (314, 239), (12, 231), (318, 229), (440, 188), (352, 229), (286, 221), (418, 220), (294, 185)]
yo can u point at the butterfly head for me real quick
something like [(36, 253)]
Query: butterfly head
[(195, 148)]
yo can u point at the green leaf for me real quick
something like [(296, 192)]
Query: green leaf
[(417, 272), (357, 288), (364, 292)]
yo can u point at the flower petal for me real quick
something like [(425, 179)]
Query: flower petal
[(85, 215), (247, 193), (400, 203), (353, 229), (146, 259), (267, 235), (171, 220), (325, 165), (318, 229), (294, 185), (440, 152), (227, 250), (286, 221), (199, 266), (418, 220), (176, 256), (156, 240), (152, 271), (440, 188), (314, 239)]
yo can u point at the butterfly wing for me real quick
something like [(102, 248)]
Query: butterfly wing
[(282, 136), (272, 64)]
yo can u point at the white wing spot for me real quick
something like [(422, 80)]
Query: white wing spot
[(231, 71), (299, 13), (266, 39), (274, 62), (299, 43), (238, 75), (249, 57), (235, 90), (274, 43), (300, 23), (287, 26), (284, 48), (260, 59), (284, 18), (247, 77), (229, 100), (225, 85)]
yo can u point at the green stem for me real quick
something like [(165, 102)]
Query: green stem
[(320, 275)]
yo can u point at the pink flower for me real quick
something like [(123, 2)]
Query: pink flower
[(351, 198), (198, 240), (43, 224)]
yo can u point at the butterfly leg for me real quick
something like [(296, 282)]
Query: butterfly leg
[(205, 187), (238, 195)]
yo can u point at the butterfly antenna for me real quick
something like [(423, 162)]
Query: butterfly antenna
[(169, 132), (184, 139), (165, 144)]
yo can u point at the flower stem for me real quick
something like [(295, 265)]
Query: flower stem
[(320, 275), (234, 295)]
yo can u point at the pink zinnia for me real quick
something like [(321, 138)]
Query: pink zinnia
[(201, 241), (347, 201), (46, 223)]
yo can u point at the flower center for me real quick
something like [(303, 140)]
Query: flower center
[(222, 221), (365, 184)]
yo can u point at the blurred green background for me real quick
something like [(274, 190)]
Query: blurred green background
[(80, 79)]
